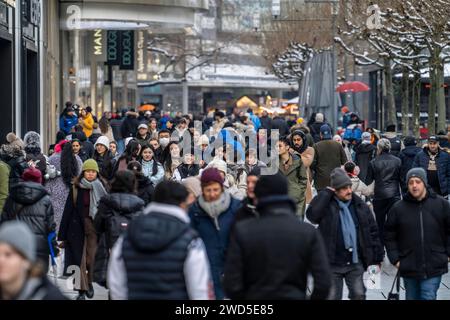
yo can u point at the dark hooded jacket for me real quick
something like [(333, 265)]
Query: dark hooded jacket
[(364, 153), (407, 156)]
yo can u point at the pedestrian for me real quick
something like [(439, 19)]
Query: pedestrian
[(350, 234), (69, 165), (254, 119), (229, 184), (68, 120), (328, 155), (113, 149), (416, 233), (104, 158), (87, 147), (270, 257), (29, 202), (436, 162), (105, 127), (295, 172), (145, 188), (344, 143), (172, 159), (33, 151), (187, 169), (358, 187), (21, 277), (77, 230), (266, 121), (153, 128), (194, 187), (299, 145), (163, 245), (132, 151), (130, 124), (89, 111), (396, 143), (96, 133), (87, 122), (384, 170), (14, 156), (151, 168), (364, 153), (252, 162), (248, 206), (280, 124), (316, 126), (164, 138), (212, 216), (118, 207), (142, 136), (407, 156), (154, 142), (78, 150), (202, 151), (116, 124)]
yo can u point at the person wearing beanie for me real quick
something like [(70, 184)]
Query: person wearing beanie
[(194, 187), (416, 233), (276, 243), (115, 211), (358, 187), (364, 153), (77, 231), (384, 171), (32, 141), (350, 233), (436, 162), (327, 155), (407, 156), (104, 158), (14, 156), (212, 216), (291, 166), (30, 203), (229, 184), (21, 276)]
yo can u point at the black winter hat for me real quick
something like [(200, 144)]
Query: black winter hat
[(271, 185), (124, 181), (410, 141)]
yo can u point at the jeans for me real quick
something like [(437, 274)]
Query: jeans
[(353, 276), (381, 209), (422, 289)]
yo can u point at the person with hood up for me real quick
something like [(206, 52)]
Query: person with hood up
[(145, 188), (21, 276), (33, 151), (407, 156), (416, 236), (364, 153), (104, 158), (29, 202), (77, 230), (212, 216), (68, 120), (271, 257), (160, 257)]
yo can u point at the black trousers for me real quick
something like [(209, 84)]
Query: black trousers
[(381, 208)]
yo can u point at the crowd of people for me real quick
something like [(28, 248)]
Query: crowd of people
[(158, 207)]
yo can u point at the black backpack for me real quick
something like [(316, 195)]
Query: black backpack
[(115, 226)]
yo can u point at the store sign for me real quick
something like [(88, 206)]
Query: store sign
[(98, 45), (141, 53), (113, 48), (127, 50)]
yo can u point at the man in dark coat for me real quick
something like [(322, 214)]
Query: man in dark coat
[(270, 257), (328, 154), (436, 162), (130, 125), (266, 121), (364, 153), (350, 234), (416, 237), (280, 124), (385, 171), (407, 156)]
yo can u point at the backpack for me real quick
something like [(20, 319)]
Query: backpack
[(115, 226), (353, 132)]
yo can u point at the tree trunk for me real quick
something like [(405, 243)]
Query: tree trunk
[(440, 98), (432, 100), (390, 104), (405, 102), (416, 105)]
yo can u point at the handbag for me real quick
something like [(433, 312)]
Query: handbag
[(396, 283)]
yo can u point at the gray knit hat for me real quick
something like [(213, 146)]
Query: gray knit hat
[(417, 173), (18, 235), (339, 179)]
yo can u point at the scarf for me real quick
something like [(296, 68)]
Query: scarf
[(348, 229), (215, 208), (97, 192)]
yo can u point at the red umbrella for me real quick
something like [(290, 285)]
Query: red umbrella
[(353, 86)]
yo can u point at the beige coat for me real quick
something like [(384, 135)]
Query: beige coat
[(307, 159)]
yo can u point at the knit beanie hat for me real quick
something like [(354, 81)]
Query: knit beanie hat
[(14, 140), (417, 173), (32, 139), (32, 175), (271, 185), (193, 185), (319, 117), (19, 236), (410, 141), (219, 165), (90, 164), (339, 179), (366, 136), (211, 175), (102, 140)]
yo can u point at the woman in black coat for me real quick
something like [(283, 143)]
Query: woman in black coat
[(145, 188), (77, 227), (29, 202)]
